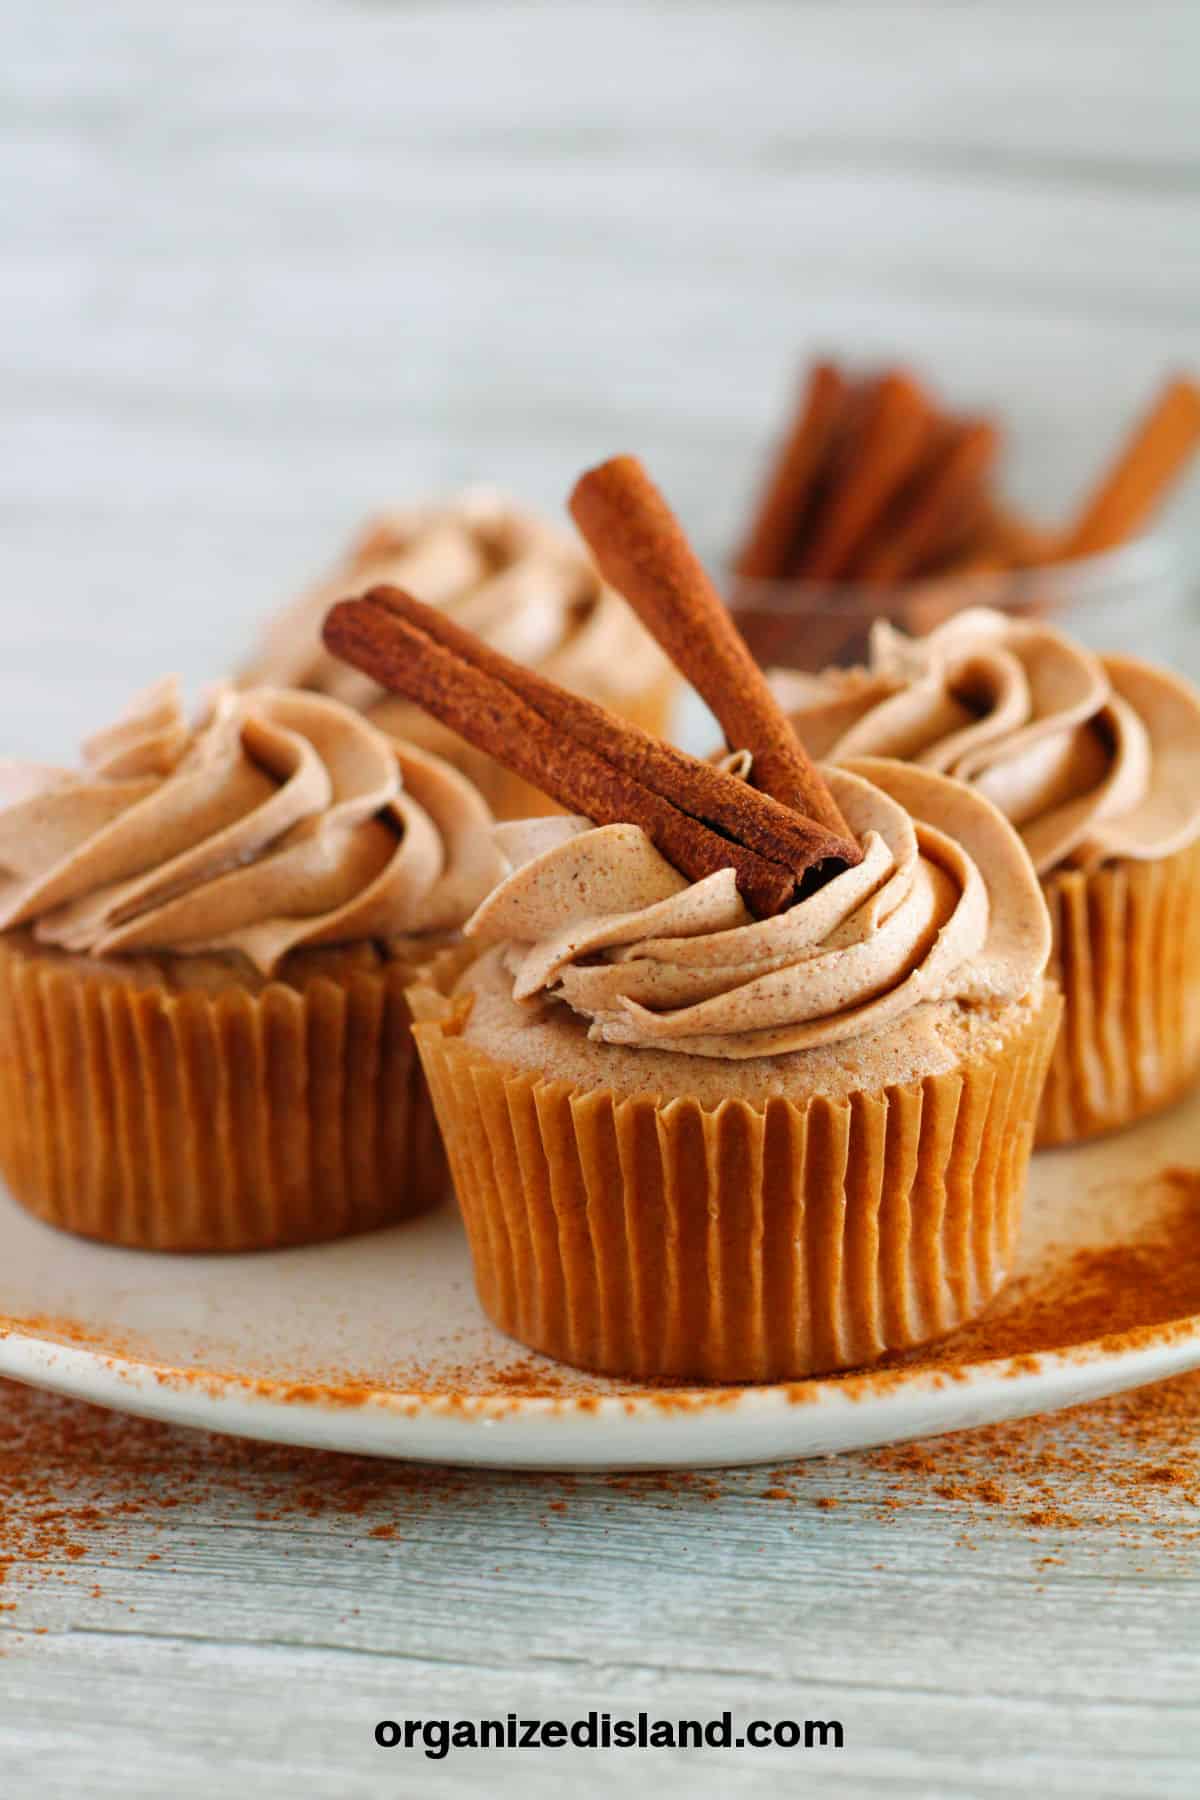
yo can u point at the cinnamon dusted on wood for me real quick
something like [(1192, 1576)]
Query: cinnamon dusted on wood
[(640, 548), (547, 737)]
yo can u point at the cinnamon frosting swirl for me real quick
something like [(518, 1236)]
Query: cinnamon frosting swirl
[(1091, 757), (944, 906), (281, 820), (526, 588)]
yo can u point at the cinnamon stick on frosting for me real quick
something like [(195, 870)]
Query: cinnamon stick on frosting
[(734, 809), (702, 819), (641, 549), (388, 635)]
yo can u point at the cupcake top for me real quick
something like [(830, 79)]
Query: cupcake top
[(280, 820), (944, 906), (742, 911), (525, 587), (1091, 757)]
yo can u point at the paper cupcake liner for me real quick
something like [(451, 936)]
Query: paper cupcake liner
[(1127, 956), (648, 1238), (200, 1120), (508, 796)]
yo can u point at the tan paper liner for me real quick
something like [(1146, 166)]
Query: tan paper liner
[(226, 1120), (648, 1238), (1127, 956), (507, 794)]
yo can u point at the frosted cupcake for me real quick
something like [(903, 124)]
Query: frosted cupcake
[(205, 939), (1096, 760), (690, 1143), (525, 587), (744, 1084)]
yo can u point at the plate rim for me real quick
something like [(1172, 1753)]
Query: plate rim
[(498, 1430)]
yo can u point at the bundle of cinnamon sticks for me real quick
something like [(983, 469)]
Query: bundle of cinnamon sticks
[(876, 484)]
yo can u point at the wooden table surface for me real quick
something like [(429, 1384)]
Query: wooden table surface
[(265, 266)]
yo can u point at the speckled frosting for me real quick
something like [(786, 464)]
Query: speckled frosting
[(281, 820), (525, 587), (1092, 757), (943, 908)]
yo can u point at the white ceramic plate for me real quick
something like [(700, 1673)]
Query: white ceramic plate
[(376, 1345)]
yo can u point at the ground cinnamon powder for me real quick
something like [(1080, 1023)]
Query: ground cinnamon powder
[(1142, 1291), (82, 1486)]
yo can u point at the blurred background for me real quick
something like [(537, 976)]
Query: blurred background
[(266, 266)]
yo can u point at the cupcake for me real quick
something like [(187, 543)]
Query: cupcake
[(1096, 760), (520, 584), (205, 940), (743, 1083)]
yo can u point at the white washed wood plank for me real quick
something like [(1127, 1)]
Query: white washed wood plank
[(1105, 81)]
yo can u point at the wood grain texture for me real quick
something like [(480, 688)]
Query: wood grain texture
[(965, 1652), (262, 267), (260, 274)]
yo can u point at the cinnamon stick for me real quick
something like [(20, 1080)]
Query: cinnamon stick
[(641, 550), (1149, 462), (931, 513), (384, 640), (789, 487), (844, 446), (731, 807), (893, 436)]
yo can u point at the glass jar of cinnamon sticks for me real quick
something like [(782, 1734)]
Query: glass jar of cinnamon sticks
[(880, 504)]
